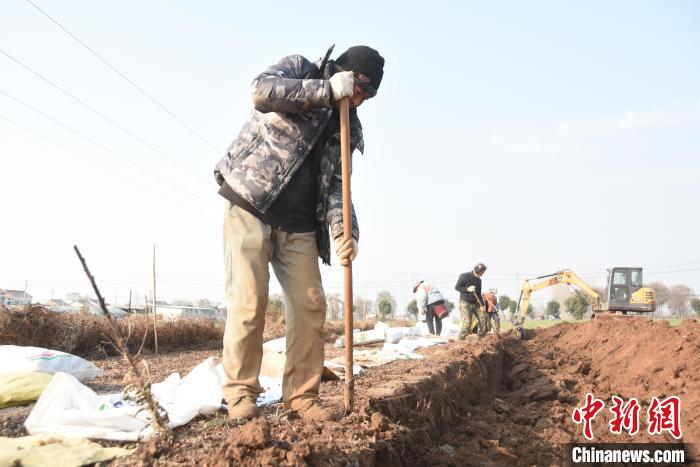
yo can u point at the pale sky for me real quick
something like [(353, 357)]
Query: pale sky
[(531, 136)]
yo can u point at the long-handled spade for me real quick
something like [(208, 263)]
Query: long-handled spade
[(344, 108)]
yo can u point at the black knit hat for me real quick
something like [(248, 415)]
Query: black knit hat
[(366, 61)]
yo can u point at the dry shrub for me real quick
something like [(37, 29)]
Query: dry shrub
[(84, 334), (336, 328), (274, 327), (333, 329), (274, 318), (178, 334)]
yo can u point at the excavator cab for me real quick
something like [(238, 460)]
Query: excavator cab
[(626, 291)]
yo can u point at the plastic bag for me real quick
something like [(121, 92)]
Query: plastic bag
[(70, 408), (362, 338), (22, 388), (393, 335), (19, 359)]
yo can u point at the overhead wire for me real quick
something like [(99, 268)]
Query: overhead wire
[(29, 130), (104, 117), (105, 148), (127, 79)]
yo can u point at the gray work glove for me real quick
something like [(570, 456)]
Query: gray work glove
[(471, 289), (342, 84), (346, 250)]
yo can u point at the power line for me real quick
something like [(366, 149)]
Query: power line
[(671, 265), (105, 148), (673, 272), (29, 130), (151, 98), (101, 115)]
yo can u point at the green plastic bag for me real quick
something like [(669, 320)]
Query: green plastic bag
[(22, 388)]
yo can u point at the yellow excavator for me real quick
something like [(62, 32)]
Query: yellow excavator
[(625, 292)]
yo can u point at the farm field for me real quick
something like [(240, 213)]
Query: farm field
[(498, 400)]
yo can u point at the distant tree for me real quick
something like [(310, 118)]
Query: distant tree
[(662, 293), (678, 299), (181, 302), (553, 308), (512, 309), (334, 307), (412, 309), (361, 307), (695, 305), (204, 303), (577, 306), (503, 302), (385, 304)]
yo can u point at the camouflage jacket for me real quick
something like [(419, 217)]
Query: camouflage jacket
[(293, 103)]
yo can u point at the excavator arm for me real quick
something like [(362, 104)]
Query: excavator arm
[(565, 276)]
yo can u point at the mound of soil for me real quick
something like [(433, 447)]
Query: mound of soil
[(528, 420)]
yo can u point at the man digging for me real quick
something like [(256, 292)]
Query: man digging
[(470, 303), (281, 178)]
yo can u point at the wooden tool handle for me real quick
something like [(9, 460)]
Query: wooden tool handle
[(344, 108)]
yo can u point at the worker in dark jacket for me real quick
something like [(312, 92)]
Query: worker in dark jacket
[(281, 178), (470, 304)]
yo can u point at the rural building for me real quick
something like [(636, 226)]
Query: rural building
[(15, 297), (172, 312)]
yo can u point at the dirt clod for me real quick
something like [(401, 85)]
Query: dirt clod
[(254, 435)]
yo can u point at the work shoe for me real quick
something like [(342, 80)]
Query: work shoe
[(243, 407), (312, 410)]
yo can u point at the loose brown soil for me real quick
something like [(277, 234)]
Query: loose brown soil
[(494, 401)]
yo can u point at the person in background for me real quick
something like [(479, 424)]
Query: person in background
[(471, 305), (431, 306), (493, 321)]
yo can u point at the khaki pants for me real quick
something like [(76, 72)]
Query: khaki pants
[(249, 247)]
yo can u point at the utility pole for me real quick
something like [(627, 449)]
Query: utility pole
[(155, 313)]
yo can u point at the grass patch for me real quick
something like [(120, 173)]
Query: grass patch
[(676, 321)]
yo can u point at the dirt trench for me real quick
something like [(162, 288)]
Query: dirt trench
[(510, 401), (489, 406), (479, 402)]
